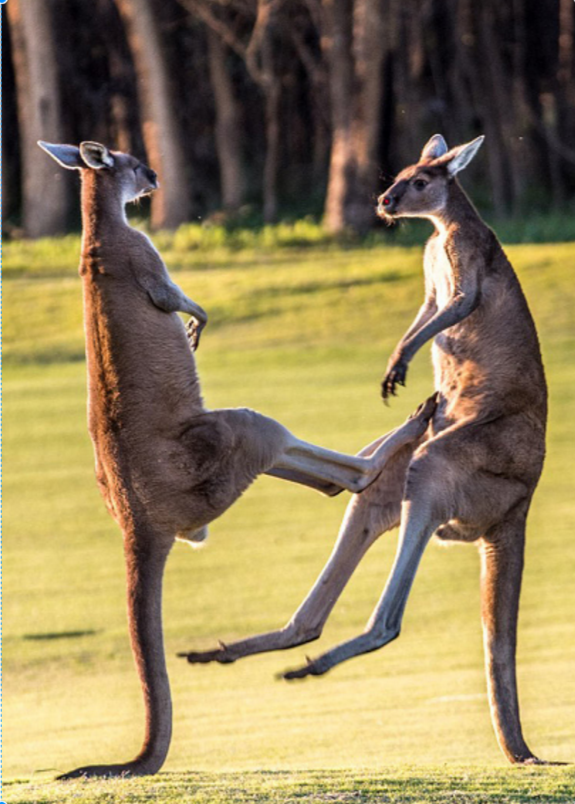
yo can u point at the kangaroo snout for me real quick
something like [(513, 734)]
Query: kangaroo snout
[(385, 204), (388, 202)]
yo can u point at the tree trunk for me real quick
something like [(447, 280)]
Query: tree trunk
[(10, 148), (170, 204), (355, 51), (119, 113), (272, 95), (315, 69), (338, 41), (228, 126), (566, 88), (321, 143), (474, 50), (44, 187), (370, 50), (506, 114), (259, 58)]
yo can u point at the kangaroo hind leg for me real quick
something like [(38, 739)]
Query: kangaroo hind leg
[(146, 553), (422, 511), (385, 622), (368, 515), (501, 554), (354, 473), (434, 495)]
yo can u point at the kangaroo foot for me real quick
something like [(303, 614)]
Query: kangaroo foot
[(221, 655), (421, 417), (313, 667), (536, 761), (109, 771)]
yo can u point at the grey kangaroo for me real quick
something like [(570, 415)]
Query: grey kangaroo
[(472, 475), (166, 466)]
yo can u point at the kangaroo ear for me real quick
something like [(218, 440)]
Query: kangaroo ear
[(96, 156), (458, 158), (434, 148), (66, 155)]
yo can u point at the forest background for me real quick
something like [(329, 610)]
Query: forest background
[(257, 110)]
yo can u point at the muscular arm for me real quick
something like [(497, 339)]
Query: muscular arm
[(168, 297), (430, 322), (150, 272), (462, 304), (426, 312)]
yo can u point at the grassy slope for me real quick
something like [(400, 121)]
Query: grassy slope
[(303, 337)]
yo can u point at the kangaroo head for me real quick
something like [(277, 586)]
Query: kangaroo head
[(421, 190), (120, 173)]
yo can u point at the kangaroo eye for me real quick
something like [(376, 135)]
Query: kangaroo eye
[(419, 184)]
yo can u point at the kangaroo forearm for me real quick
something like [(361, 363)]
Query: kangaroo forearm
[(453, 313), (193, 309), (168, 297), (425, 313)]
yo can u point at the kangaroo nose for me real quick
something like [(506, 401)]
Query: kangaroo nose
[(387, 203)]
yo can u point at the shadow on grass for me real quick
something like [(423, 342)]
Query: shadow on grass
[(60, 635)]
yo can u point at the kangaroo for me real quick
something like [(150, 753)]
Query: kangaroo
[(472, 475), (166, 466)]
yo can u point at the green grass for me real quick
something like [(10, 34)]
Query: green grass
[(302, 335), (407, 785)]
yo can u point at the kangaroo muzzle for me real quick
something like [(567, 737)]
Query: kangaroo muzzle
[(386, 205), (388, 202)]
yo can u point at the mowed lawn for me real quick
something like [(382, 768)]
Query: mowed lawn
[(304, 336)]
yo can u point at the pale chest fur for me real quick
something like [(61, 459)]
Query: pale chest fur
[(453, 369), (438, 271)]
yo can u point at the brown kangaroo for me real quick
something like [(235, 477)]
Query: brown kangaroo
[(472, 475), (165, 465)]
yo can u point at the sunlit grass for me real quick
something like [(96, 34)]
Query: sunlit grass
[(302, 335), (210, 243), (389, 785)]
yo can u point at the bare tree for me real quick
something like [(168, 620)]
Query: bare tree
[(228, 125), (304, 30), (39, 114), (565, 84), (315, 98), (10, 199), (171, 204), (257, 51), (354, 47)]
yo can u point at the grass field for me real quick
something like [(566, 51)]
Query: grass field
[(302, 335)]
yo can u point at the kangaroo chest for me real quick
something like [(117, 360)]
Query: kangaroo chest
[(141, 374), (452, 352), (438, 271)]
